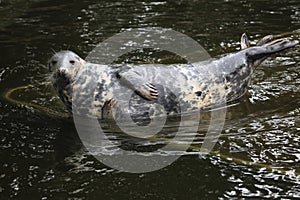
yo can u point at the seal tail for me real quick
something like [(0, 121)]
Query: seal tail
[(260, 53)]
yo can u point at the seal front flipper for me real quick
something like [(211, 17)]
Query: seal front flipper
[(137, 83)]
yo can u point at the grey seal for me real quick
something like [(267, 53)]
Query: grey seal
[(199, 85)]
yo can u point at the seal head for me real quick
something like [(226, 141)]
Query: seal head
[(64, 66)]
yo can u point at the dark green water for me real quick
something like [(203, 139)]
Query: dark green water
[(42, 157)]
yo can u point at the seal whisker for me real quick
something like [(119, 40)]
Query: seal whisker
[(53, 51)]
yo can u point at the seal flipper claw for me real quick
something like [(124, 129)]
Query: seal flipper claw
[(147, 91), (138, 84)]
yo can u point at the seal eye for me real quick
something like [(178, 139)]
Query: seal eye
[(72, 62), (54, 62)]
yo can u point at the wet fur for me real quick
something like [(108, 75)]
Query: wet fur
[(196, 86)]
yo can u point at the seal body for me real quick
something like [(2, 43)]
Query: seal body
[(154, 89)]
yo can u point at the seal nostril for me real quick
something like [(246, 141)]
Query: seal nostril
[(62, 71), (72, 62), (54, 62)]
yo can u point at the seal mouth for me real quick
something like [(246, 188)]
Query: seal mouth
[(61, 79), (61, 76), (63, 73)]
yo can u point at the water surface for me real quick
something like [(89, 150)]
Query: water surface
[(257, 154)]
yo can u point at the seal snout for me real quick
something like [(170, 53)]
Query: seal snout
[(63, 71)]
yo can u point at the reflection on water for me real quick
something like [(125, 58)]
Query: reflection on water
[(257, 154)]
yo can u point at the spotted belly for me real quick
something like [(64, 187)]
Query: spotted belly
[(181, 88)]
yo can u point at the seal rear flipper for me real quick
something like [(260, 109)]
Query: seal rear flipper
[(137, 83), (259, 53), (264, 40), (244, 41)]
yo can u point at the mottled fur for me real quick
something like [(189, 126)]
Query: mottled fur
[(194, 86)]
